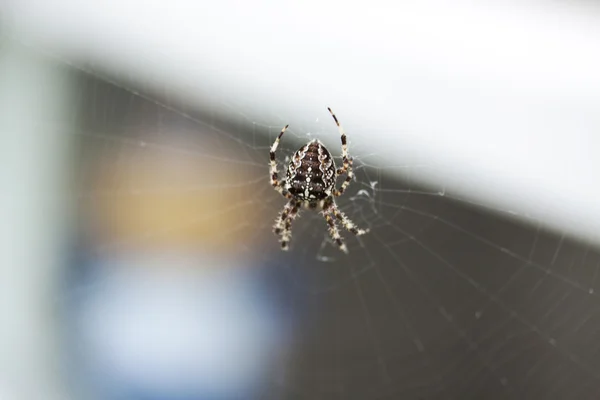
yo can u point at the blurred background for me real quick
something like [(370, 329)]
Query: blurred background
[(137, 259)]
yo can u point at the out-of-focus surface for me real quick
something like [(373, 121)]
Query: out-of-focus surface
[(35, 141), (138, 259), (500, 99), (170, 297)]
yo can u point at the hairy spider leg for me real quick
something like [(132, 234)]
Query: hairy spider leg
[(283, 214), (347, 222), (277, 185), (340, 170), (286, 234), (347, 167), (334, 232)]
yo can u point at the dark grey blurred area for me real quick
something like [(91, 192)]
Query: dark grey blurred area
[(441, 300)]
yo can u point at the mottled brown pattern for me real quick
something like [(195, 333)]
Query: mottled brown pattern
[(319, 185), (310, 183)]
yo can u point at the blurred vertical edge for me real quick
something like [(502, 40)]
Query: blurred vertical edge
[(36, 125)]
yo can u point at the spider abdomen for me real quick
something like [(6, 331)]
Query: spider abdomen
[(311, 173)]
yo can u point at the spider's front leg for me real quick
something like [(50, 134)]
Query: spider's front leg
[(343, 169), (346, 183), (277, 185), (283, 224), (347, 160)]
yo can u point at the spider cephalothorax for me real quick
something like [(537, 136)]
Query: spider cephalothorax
[(310, 183)]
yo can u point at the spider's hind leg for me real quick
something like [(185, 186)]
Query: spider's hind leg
[(283, 224), (347, 222), (334, 232)]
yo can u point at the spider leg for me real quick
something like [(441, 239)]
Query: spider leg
[(283, 224), (334, 232), (348, 224), (283, 215), (287, 232), (344, 144), (278, 185), (342, 170), (346, 183), (347, 167)]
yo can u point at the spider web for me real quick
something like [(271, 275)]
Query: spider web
[(442, 299)]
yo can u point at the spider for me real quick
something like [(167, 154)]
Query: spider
[(310, 183)]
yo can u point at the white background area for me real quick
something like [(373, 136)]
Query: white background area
[(503, 98)]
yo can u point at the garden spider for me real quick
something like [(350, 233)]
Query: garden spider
[(310, 183)]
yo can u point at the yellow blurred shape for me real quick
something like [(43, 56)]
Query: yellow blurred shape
[(160, 199)]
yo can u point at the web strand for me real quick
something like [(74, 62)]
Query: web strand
[(437, 287)]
